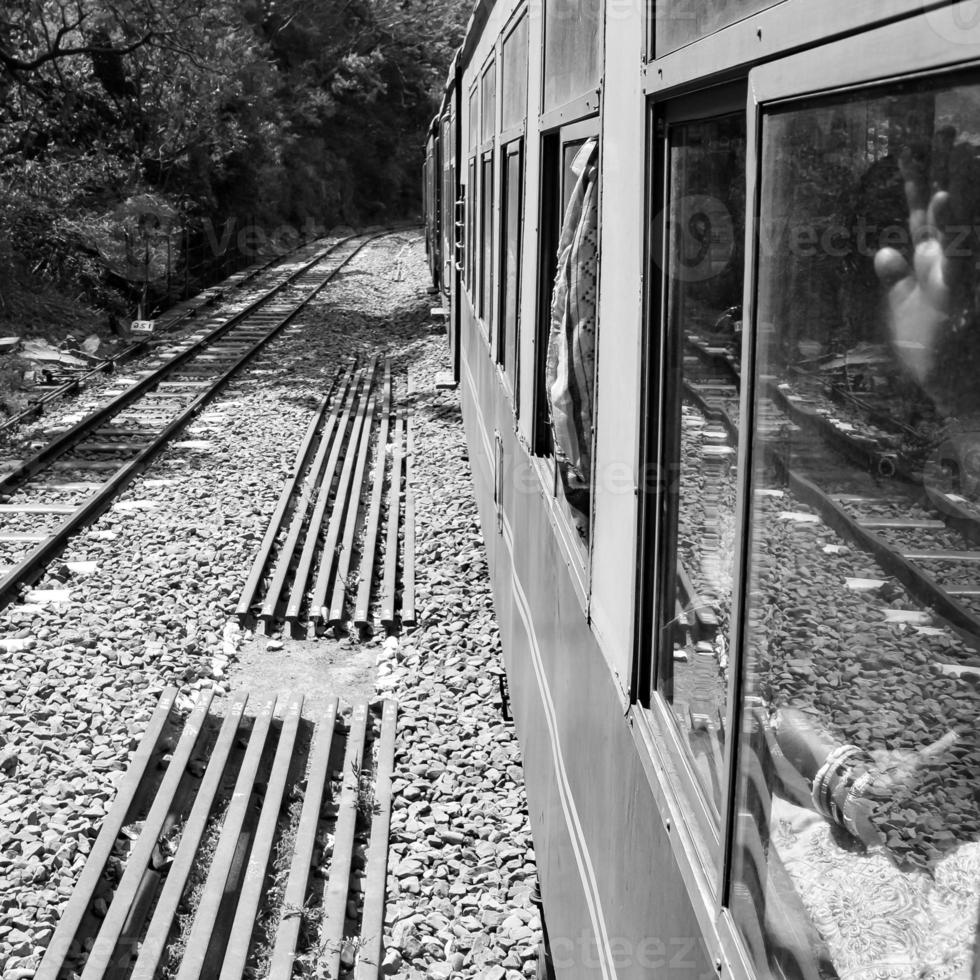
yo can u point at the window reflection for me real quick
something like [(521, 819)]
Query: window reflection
[(858, 807), (704, 265)]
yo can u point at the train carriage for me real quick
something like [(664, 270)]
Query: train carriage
[(713, 292)]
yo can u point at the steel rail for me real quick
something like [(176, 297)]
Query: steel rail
[(273, 802), (391, 549), (230, 818), (68, 439), (342, 500), (138, 861), (98, 501), (317, 427), (108, 365), (334, 613), (863, 450), (155, 944), (305, 564), (368, 966), (36, 407), (294, 895), (408, 541), (320, 482), (366, 572), (222, 865), (331, 935), (923, 586), (84, 891)]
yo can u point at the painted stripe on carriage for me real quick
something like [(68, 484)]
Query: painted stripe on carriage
[(575, 832), (582, 857)]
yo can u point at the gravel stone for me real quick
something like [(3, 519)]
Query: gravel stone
[(145, 599)]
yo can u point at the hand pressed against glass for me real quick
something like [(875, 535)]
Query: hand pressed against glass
[(922, 294)]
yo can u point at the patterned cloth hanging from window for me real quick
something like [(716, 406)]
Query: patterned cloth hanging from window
[(570, 367)]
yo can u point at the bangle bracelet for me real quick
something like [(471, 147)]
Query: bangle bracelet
[(819, 793)]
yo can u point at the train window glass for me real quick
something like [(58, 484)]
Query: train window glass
[(486, 237), (488, 89), (572, 36), (471, 249), (857, 808), (566, 372), (447, 201), (513, 80), (679, 22), (705, 231), (510, 243), (473, 121)]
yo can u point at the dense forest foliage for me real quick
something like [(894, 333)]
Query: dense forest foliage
[(126, 123)]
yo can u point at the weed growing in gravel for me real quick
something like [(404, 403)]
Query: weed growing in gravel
[(195, 889), (273, 908)]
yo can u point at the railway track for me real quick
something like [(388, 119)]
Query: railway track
[(853, 477), (71, 381), (70, 480)]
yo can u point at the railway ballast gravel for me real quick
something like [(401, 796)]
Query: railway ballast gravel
[(145, 598)]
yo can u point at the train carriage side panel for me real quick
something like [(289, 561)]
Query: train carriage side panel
[(614, 901)]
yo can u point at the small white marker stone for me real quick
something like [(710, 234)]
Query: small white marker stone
[(48, 595), (864, 584), (82, 567), (914, 617)]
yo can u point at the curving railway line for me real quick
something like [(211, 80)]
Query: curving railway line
[(71, 479)]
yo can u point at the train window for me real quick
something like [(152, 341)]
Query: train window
[(447, 200), (705, 222), (471, 205), (488, 97), (679, 22), (565, 373), (857, 808), (572, 37), (513, 77), (510, 245), (486, 237), (473, 120)]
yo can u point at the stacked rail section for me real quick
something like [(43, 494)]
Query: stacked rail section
[(239, 844), (334, 534)]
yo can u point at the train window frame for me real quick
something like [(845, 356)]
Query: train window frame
[(472, 253), (519, 20), (486, 174), (560, 106), (917, 48), (488, 83), (511, 140), (510, 373), (472, 134), (702, 844), (578, 553)]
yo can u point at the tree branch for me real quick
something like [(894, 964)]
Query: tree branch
[(56, 52)]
